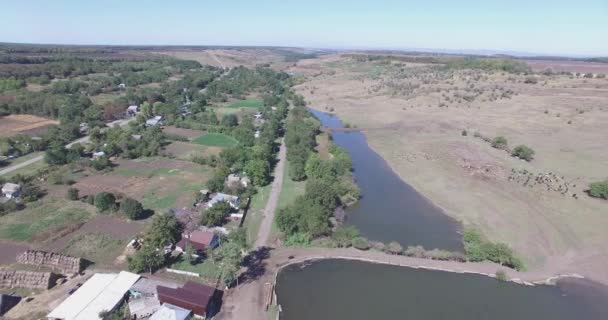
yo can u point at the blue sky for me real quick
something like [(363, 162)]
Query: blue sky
[(535, 26)]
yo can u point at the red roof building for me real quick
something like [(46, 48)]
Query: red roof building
[(192, 296), (200, 241)]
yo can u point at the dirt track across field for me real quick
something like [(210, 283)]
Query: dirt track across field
[(273, 200)]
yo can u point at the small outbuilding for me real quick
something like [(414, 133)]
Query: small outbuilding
[(156, 121), (132, 110), (11, 190), (98, 154), (170, 312), (234, 201)]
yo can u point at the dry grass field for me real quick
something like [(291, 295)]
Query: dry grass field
[(23, 124), (229, 58), (413, 115)]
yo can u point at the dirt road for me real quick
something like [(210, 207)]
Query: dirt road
[(26, 163), (273, 199)]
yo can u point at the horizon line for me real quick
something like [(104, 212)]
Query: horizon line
[(477, 52)]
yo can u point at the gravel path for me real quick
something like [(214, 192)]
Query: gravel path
[(273, 200)]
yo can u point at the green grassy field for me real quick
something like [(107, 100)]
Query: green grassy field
[(161, 172), (40, 217), (248, 103), (216, 140), (290, 190), (96, 247)]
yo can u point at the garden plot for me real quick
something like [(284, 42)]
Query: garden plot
[(159, 183)]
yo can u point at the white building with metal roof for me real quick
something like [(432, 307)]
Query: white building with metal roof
[(102, 292)]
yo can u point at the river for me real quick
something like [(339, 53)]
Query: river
[(352, 290), (390, 209)]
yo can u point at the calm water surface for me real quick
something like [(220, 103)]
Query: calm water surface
[(354, 290), (390, 209)]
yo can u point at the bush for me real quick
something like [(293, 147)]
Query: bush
[(72, 194), (499, 142), (8, 207), (599, 189), (523, 152), (501, 275), (360, 243), (100, 163), (105, 201), (344, 236), (464, 133), (415, 251), (479, 249), (395, 248), (132, 209), (300, 239), (216, 215)]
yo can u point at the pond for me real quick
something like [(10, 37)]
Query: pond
[(352, 290), (390, 209)]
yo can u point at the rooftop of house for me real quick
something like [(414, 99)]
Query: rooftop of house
[(192, 293), (199, 240), (223, 197), (10, 187)]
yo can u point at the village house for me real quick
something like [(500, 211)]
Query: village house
[(198, 298), (11, 190), (132, 111), (199, 240), (155, 121), (234, 201), (235, 180)]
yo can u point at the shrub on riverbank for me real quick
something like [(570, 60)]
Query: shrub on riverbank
[(344, 236), (599, 189), (479, 249), (361, 243), (501, 275)]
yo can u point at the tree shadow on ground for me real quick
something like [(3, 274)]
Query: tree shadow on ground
[(255, 262)]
